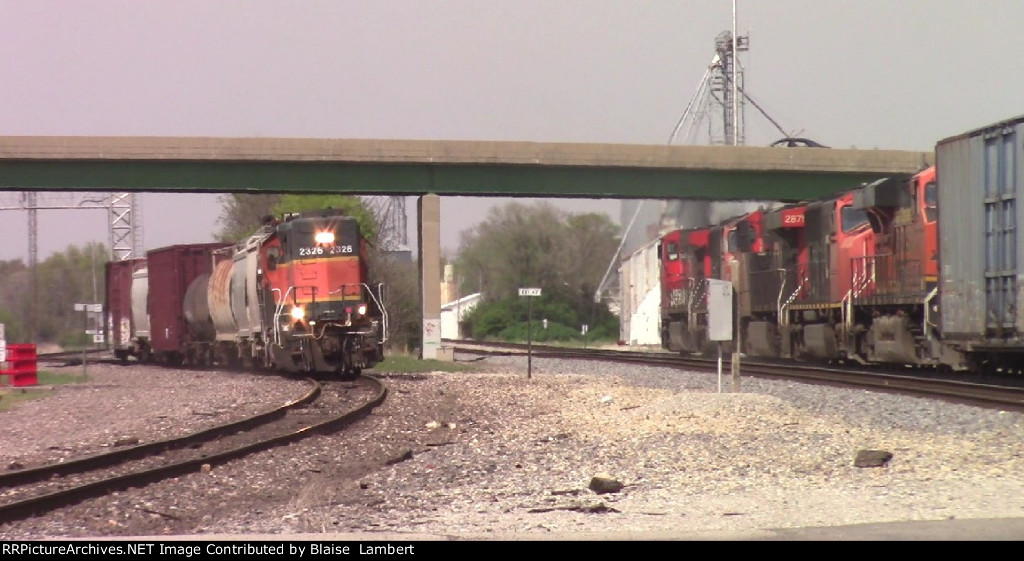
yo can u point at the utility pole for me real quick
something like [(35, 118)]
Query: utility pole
[(29, 199)]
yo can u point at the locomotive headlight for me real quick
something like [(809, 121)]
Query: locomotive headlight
[(298, 313), (361, 310), (324, 238)]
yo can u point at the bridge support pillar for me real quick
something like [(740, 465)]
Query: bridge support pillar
[(429, 223)]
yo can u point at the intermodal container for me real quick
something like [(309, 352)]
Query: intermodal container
[(980, 176)]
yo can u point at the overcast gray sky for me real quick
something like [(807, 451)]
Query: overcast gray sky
[(858, 73)]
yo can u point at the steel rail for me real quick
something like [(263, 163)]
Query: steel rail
[(42, 503), (1007, 394)]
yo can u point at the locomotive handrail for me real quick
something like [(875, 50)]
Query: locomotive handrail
[(846, 306), (694, 298), (778, 301), (279, 306), (928, 313), (377, 301), (782, 309), (863, 275), (383, 312)]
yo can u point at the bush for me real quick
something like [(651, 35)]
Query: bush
[(506, 320), (75, 339), (554, 332)]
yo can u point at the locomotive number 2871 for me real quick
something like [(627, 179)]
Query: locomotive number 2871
[(792, 219), (321, 250)]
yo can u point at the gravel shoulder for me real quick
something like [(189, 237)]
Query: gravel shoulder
[(493, 455)]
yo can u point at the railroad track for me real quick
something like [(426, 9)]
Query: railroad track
[(1006, 394), (326, 407), (75, 357)]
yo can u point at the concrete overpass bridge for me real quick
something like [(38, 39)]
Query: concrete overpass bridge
[(430, 169)]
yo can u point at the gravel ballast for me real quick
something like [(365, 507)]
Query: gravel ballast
[(492, 455)]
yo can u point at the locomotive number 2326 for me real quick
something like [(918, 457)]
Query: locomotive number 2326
[(321, 250)]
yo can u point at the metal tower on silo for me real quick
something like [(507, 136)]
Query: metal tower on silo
[(720, 100), (725, 91)]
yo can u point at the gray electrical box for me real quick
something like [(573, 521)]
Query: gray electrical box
[(719, 310)]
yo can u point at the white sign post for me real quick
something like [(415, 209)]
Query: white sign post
[(719, 317), (95, 311), (3, 346), (529, 293)]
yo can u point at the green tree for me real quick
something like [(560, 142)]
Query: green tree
[(350, 205), (13, 330), (515, 246), (564, 254), (14, 299), (591, 245), (243, 213), (62, 280), (73, 276), (401, 298)]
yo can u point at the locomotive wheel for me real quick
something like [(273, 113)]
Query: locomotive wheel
[(350, 373)]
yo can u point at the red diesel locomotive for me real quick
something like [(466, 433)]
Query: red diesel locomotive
[(848, 277), (294, 296)]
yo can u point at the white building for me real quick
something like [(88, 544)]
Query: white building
[(452, 314)]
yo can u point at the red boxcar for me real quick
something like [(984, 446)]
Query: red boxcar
[(118, 313), (171, 271)]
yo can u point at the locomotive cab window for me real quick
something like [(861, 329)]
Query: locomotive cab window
[(273, 256), (852, 218), (672, 251), (931, 201)]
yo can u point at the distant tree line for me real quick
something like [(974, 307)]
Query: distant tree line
[(69, 277)]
